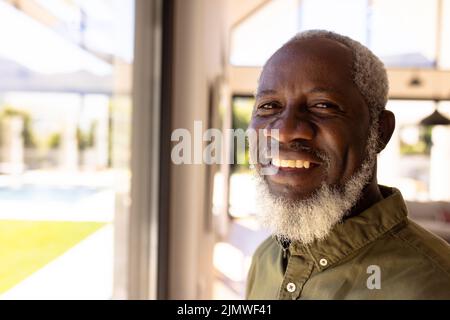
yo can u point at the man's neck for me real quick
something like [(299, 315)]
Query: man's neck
[(371, 194)]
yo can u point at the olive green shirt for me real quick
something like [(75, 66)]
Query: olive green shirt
[(378, 254)]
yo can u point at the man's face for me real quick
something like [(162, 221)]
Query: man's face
[(307, 93)]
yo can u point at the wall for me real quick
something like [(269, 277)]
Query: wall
[(200, 39)]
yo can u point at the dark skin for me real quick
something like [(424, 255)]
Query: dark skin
[(306, 91)]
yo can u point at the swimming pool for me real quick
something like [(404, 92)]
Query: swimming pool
[(74, 203), (47, 193)]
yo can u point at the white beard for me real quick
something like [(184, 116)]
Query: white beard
[(313, 218)]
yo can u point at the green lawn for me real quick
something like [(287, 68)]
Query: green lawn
[(26, 246)]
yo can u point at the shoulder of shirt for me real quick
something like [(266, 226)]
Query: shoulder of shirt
[(269, 245), (430, 247), (413, 239)]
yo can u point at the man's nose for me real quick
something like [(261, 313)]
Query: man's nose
[(291, 126)]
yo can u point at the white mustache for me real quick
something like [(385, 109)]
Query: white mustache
[(312, 219)]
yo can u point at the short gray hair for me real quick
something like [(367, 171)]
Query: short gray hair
[(369, 73)]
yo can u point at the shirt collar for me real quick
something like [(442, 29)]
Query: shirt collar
[(357, 231)]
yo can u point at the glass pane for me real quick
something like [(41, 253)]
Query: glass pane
[(403, 33), (255, 39), (64, 146), (242, 192), (336, 17), (444, 57), (440, 158), (405, 163)]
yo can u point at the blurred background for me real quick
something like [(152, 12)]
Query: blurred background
[(91, 206)]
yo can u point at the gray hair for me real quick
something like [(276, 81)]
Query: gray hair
[(369, 73)]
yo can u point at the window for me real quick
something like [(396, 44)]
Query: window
[(65, 110), (402, 33), (255, 39)]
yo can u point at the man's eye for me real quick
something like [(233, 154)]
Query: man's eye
[(323, 105), (267, 106), (267, 109)]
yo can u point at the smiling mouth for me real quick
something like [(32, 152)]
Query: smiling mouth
[(294, 176), (287, 164)]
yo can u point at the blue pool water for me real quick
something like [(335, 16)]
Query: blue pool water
[(46, 193)]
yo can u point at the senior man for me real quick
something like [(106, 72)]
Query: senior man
[(337, 234)]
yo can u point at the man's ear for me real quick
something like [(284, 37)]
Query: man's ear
[(386, 127)]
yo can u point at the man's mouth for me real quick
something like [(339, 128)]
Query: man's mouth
[(294, 177), (294, 174), (293, 164), (284, 163)]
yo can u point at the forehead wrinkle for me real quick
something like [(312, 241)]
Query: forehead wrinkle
[(322, 69), (275, 81), (265, 92), (332, 49), (319, 56)]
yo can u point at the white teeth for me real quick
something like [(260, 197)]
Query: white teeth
[(291, 163)]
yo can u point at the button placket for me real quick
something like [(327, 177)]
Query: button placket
[(321, 262), (297, 273), (291, 287)]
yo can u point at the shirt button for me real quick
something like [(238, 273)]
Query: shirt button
[(323, 262), (290, 287)]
